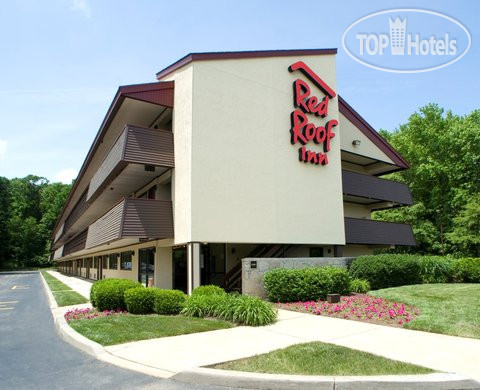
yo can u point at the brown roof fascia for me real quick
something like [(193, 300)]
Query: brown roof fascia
[(371, 133), (134, 91), (229, 55)]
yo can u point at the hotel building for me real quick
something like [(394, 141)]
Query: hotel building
[(226, 156)]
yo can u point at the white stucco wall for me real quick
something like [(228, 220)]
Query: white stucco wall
[(247, 185)]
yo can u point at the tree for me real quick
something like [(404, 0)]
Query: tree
[(444, 155), (465, 235)]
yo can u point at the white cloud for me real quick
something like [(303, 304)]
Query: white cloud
[(82, 6), (66, 175), (3, 148)]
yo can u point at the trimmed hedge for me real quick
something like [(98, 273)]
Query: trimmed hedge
[(109, 294), (208, 290), (387, 270), (436, 269), (139, 300), (467, 270), (241, 309), (169, 301), (307, 284)]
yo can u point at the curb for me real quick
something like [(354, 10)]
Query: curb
[(90, 347), (436, 381)]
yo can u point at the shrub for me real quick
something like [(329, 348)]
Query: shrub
[(387, 270), (467, 270), (208, 290), (308, 284), (436, 269), (139, 300), (169, 301), (252, 311), (109, 294), (244, 310), (360, 286)]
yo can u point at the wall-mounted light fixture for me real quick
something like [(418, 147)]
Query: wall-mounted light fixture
[(356, 142)]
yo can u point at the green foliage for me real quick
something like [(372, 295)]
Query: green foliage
[(436, 269), (169, 301), (208, 290), (241, 309), (109, 294), (360, 286), (467, 270), (387, 270), (444, 155), (309, 284), (29, 208), (140, 300)]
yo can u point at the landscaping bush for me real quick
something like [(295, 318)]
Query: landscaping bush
[(360, 286), (208, 290), (109, 294), (387, 270), (169, 301), (244, 310), (467, 270), (436, 269), (139, 300), (308, 284), (252, 311)]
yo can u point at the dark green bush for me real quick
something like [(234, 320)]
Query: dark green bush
[(208, 290), (436, 269), (387, 270), (308, 284), (467, 270), (139, 300), (169, 301), (360, 286), (109, 294), (206, 305)]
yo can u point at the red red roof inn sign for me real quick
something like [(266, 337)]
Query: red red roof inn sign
[(306, 105)]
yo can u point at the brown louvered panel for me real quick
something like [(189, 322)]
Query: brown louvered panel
[(133, 218), (149, 146), (369, 232), (366, 186), (75, 244), (107, 228), (145, 218), (78, 210)]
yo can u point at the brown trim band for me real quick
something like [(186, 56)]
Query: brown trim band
[(230, 55)]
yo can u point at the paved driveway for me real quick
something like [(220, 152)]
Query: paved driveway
[(32, 356)]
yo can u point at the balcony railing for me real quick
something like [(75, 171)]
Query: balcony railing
[(370, 232), (373, 190), (132, 218), (135, 145)]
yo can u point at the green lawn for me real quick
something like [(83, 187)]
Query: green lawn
[(63, 294), (123, 328), (318, 358), (452, 309)]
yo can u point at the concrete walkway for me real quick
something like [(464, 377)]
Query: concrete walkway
[(80, 285), (175, 354)]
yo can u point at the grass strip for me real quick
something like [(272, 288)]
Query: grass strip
[(63, 294), (318, 358), (448, 308), (123, 328)]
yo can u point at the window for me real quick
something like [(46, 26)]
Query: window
[(316, 252), (113, 260), (95, 262), (105, 262), (126, 260)]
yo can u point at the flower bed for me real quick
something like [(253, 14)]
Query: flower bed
[(359, 308), (89, 313)]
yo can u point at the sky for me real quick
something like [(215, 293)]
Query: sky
[(63, 60)]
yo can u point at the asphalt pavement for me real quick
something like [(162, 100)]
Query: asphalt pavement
[(32, 356)]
